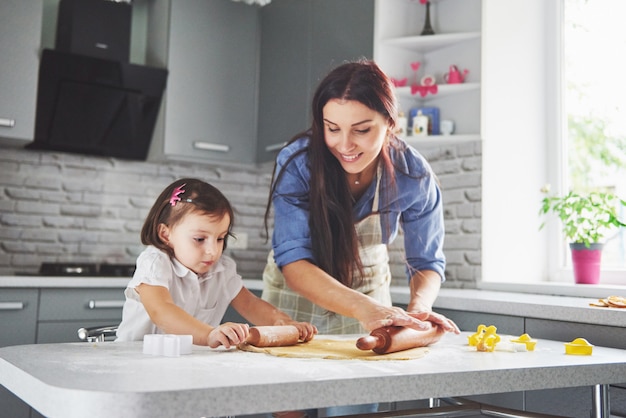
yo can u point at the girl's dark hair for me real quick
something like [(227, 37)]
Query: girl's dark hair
[(196, 196), (333, 236)]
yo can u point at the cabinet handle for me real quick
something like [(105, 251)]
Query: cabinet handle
[(7, 123), (211, 147), (105, 304), (275, 147), (11, 306)]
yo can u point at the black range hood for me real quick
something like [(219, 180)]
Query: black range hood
[(96, 106)]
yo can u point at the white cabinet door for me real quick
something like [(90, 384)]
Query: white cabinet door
[(20, 38)]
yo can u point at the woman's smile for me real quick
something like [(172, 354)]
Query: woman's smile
[(351, 158)]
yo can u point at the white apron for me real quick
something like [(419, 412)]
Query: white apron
[(375, 283)]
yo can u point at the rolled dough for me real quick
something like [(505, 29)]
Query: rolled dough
[(334, 350)]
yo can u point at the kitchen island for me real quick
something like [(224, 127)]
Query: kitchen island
[(117, 379)]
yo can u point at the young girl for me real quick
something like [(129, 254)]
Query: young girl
[(183, 284)]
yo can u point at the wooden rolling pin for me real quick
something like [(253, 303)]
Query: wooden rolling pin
[(273, 336), (391, 339)]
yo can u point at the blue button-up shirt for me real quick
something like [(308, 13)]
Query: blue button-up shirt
[(412, 201)]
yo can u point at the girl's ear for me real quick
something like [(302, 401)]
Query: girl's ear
[(164, 233)]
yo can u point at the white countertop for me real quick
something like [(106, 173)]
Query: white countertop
[(117, 379), (63, 281), (558, 308)]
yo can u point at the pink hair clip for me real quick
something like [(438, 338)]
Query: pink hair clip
[(175, 198)]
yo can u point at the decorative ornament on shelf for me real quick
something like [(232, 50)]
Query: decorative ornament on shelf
[(428, 28), (420, 124), (455, 76), (399, 83), (424, 90), (403, 125), (426, 85), (447, 127)]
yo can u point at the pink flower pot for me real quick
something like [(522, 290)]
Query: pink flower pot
[(586, 262)]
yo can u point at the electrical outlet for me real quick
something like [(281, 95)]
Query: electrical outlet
[(241, 243)]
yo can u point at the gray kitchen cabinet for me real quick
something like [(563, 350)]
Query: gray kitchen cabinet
[(63, 311), (18, 316), (210, 104), (20, 37), (284, 90), (606, 336), (469, 321), (301, 40), (18, 325)]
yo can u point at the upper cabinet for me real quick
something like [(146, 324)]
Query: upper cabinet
[(301, 41), (414, 60), (20, 37), (240, 77), (209, 109)]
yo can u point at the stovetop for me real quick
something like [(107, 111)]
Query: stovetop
[(85, 269)]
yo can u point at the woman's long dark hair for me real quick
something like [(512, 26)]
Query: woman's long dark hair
[(333, 236)]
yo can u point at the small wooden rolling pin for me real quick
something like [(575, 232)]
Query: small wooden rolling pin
[(391, 339), (273, 336)]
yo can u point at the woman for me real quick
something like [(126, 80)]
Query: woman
[(340, 191)]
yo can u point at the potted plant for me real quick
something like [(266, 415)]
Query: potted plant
[(586, 219)]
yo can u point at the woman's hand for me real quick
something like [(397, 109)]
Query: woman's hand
[(228, 334), (383, 316), (421, 321), (425, 287), (444, 323), (306, 329)]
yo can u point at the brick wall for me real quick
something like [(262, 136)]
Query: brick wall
[(67, 207)]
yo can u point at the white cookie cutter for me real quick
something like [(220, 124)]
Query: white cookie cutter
[(168, 345)]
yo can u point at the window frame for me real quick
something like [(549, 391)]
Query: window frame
[(522, 40)]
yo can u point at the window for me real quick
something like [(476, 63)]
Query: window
[(524, 100), (594, 106)]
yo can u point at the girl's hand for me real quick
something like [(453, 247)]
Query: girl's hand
[(228, 334), (306, 329)]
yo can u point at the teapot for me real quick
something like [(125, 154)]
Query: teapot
[(454, 76)]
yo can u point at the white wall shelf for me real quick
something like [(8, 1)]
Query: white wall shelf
[(456, 42), (424, 44), (442, 91), (436, 140)]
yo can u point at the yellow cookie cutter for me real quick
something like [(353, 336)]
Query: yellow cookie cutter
[(526, 340), (579, 347), (485, 338), (474, 339)]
